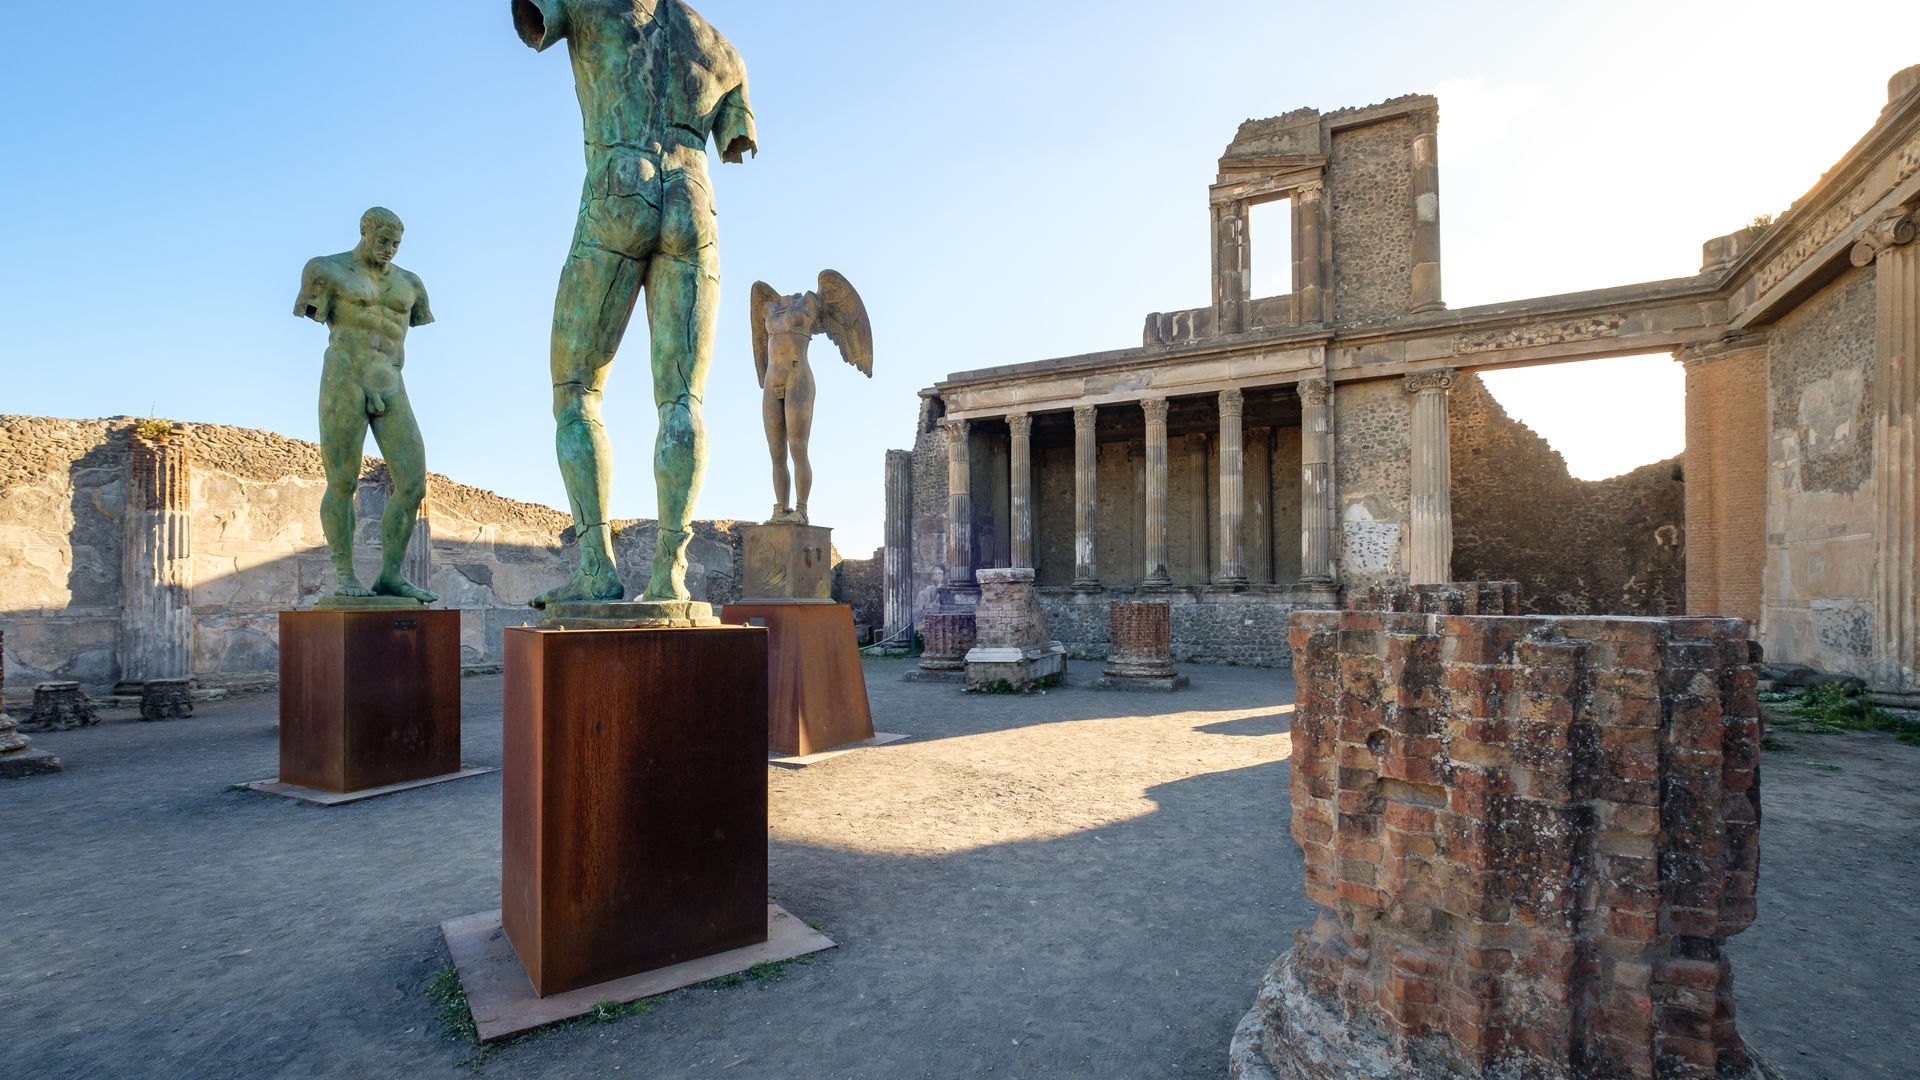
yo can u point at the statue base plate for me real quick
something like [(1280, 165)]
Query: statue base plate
[(627, 615), (367, 603)]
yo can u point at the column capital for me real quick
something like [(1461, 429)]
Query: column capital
[(954, 425), (1021, 424), (1083, 417), (1438, 380), (1314, 391), (1309, 189), (1232, 401), (1896, 227), (1155, 408)]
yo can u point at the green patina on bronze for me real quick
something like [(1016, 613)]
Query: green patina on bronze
[(368, 304), (655, 82)]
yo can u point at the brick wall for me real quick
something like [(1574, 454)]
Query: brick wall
[(1726, 468)]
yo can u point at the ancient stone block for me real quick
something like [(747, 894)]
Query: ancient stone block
[(166, 699), (1529, 838), (60, 706), (1459, 598), (947, 635), (1142, 653), (1012, 649), (787, 562)]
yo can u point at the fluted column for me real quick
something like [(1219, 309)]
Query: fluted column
[(1319, 522), (1020, 455), (1426, 220), (417, 565), (1233, 495), (1310, 262), (1157, 573), (959, 504), (156, 559), (1431, 560), (899, 526), (1086, 497), (1232, 267), (1889, 246)]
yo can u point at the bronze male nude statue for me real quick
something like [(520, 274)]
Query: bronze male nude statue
[(368, 304), (654, 82)]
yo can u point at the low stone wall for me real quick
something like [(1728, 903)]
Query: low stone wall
[(1210, 626), (1529, 838)]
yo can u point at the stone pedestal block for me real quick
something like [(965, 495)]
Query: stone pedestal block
[(1142, 651), (816, 690), (1011, 649), (368, 698), (59, 706), (166, 699), (946, 636), (17, 755), (634, 799), (787, 562), (1529, 838)]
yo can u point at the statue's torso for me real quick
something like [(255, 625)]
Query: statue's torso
[(368, 316), (651, 83)]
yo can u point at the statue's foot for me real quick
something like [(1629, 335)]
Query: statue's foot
[(583, 587), (800, 514), (784, 516), (349, 585), (398, 586), (779, 516), (669, 580)]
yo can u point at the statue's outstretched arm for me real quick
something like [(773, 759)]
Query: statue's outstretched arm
[(541, 23)]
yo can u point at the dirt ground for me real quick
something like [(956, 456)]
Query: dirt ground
[(1076, 884)]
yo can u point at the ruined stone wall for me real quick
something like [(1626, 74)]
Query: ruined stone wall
[(1370, 184), (1244, 627), (1373, 480), (257, 548), (929, 537), (1820, 501), (1577, 547), (861, 585)]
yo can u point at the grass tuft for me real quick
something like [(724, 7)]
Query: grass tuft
[(1829, 708)]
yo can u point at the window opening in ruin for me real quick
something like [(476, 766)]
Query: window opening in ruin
[(1270, 238), (1605, 417)]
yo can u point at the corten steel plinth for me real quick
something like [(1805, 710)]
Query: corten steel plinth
[(634, 799), (368, 698), (816, 691)]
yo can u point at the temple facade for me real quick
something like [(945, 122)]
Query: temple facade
[(1263, 454)]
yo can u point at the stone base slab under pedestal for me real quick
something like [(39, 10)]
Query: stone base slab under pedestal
[(627, 615), (28, 763), (801, 761), (341, 798), (504, 1003), (943, 674), (1164, 684), (1018, 668)]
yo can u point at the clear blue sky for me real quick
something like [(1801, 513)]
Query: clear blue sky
[(1002, 183)]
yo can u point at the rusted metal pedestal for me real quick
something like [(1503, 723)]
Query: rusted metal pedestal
[(368, 698), (635, 799), (816, 691)]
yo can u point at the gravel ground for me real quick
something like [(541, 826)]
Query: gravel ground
[(1076, 884)]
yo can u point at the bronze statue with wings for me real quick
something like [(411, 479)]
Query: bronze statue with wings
[(783, 326)]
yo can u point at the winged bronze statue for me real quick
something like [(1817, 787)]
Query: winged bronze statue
[(783, 327)]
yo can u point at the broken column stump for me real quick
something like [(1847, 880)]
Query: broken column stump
[(945, 638), (1012, 650), (1141, 657), (59, 706), (17, 755), (1529, 837), (166, 699)]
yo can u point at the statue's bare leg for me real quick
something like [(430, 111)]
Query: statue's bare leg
[(398, 435), (683, 299), (343, 435), (597, 292), (799, 424), (773, 414)]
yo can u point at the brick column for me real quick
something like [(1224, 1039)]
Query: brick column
[(1319, 524), (1889, 247), (156, 621), (1086, 495), (1233, 506), (1426, 218), (1726, 472), (1157, 572), (959, 504), (1529, 838), (899, 538), (1020, 456), (1431, 559)]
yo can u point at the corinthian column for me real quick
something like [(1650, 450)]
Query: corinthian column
[(1156, 410), (156, 559), (899, 541), (1085, 497), (1426, 220), (959, 504), (1889, 246), (1432, 556), (1020, 453), (1233, 496), (1318, 524)]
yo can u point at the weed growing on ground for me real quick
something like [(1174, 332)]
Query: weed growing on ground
[(1829, 708)]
